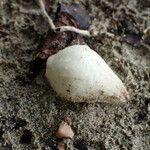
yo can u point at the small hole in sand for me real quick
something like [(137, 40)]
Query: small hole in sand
[(26, 137)]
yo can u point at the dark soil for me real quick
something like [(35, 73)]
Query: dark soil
[(30, 112)]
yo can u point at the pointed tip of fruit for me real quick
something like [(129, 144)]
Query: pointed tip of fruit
[(124, 96)]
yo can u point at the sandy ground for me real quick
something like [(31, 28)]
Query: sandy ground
[(30, 113)]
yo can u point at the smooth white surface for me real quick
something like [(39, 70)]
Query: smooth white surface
[(78, 73)]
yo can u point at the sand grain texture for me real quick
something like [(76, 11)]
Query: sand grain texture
[(33, 112)]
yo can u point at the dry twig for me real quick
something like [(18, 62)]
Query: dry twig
[(62, 28)]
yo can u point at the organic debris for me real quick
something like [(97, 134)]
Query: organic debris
[(128, 27), (73, 15), (133, 39), (75, 11), (146, 36)]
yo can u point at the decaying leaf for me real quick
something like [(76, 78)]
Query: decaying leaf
[(129, 29), (133, 39), (78, 13)]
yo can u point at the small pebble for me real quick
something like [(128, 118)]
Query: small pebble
[(61, 146), (64, 131)]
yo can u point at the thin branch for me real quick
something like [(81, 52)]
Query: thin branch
[(73, 29), (63, 28), (50, 21)]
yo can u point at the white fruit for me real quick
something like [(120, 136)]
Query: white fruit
[(79, 74)]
